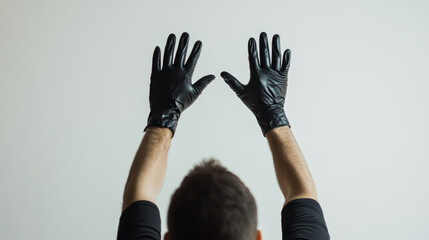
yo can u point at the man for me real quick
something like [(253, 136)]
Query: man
[(212, 203)]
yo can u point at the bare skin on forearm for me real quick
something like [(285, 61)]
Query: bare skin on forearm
[(292, 172), (148, 169)]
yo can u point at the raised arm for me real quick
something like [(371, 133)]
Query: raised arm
[(148, 169), (171, 92), (293, 175), (265, 95)]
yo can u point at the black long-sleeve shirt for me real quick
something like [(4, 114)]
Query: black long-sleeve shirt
[(301, 219)]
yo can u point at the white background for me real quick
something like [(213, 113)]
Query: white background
[(74, 102)]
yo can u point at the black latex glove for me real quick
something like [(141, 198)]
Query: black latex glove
[(265, 93), (171, 89)]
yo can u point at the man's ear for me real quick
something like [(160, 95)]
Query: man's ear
[(166, 236), (259, 235)]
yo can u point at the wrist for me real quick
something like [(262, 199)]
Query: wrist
[(164, 119), (278, 132), (160, 132), (271, 119)]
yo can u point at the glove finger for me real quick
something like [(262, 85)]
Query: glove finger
[(233, 83), (276, 55), (253, 55), (202, 83), (264, 51), (169, 50), (156, 60), (181, 50), (193, 57), (286, 61)]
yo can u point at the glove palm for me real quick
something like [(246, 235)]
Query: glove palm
[(265, 93), (171, 88)]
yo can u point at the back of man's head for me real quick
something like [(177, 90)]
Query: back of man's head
[(212, 203)]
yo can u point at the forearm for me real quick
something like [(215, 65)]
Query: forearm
[(292, 172), (148, 168)]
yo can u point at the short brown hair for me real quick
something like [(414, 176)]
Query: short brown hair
[(212, 203)]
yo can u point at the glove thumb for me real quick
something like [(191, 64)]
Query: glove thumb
[(233, 83), (202, 83)]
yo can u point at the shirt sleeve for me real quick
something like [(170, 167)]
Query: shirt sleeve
[(303, 219), (140, 221)]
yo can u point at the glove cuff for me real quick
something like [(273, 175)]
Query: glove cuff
[(167, 119), (272, 119)]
